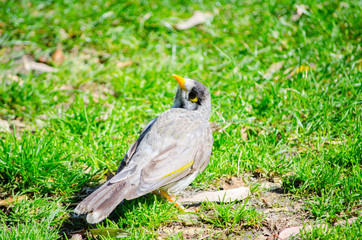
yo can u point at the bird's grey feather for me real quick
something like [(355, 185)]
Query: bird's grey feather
[(169, 153)]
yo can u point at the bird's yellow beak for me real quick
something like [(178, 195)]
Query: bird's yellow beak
[(180, 80)]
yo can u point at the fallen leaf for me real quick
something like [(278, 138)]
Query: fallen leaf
[(30, 64), (66, 87), (196, 19), (229, 195), (18, 123), (10, 200), (244, 133), (43, 59), (124, 64), (275, 67), (109, 232), (58, 56)]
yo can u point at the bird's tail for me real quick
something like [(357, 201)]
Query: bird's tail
[(101, 202)]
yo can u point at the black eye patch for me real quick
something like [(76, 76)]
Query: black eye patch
[(192, 95)]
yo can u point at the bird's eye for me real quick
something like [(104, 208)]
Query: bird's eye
[(193, 97)]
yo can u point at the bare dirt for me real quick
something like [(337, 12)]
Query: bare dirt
[(279, 210)]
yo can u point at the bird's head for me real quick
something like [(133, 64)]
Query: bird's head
[(192, 95)]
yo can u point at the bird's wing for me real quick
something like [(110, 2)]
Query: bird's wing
[(132, 151), (167, 152)]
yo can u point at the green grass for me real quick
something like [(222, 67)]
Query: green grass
[(302, 127)]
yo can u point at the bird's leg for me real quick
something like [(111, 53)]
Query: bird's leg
[(171, 199)]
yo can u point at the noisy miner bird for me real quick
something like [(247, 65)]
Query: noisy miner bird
[(170, 152)]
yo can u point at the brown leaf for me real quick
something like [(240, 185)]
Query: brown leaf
[(272, 69), (18, 123), (244, 133), (196, 19), (43, 59), (124, 64), (229, 195), (10, 200), (30, 64), (58, 56)]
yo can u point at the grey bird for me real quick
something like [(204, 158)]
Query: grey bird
[(168, 155)]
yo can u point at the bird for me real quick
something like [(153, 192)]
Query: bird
[(168, 155)]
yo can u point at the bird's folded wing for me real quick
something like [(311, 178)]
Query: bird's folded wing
[(166, 153), (184, 157)]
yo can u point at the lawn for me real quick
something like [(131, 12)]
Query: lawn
[(80, 79)]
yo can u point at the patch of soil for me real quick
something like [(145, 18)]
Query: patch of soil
[(280, 211)]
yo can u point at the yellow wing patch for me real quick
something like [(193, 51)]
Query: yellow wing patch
[(180, 169)]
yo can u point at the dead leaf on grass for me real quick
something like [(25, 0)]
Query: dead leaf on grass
[(17, 123), (29, 65), (10, 200), (229, 195), (275, 67), (124, 64), (58, 56), (244, 133), (196, 19)]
